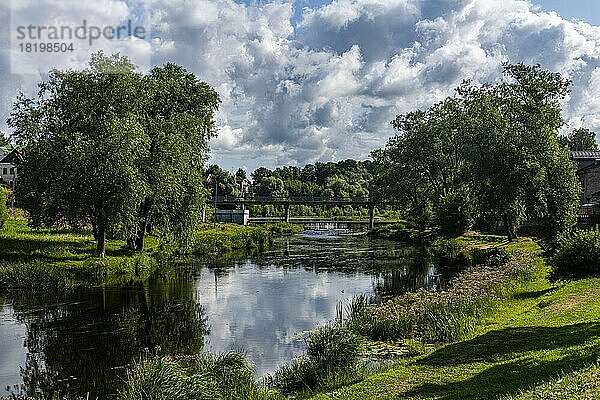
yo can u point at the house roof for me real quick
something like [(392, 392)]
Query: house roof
[(11, 157), (585, 155)]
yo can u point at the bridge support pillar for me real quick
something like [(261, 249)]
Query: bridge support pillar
[(287, 213), (371, 217)]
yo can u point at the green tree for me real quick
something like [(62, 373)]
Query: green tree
[(425, 162), (581, 139), (84, 141), (519, 170), (271, 186), (493, 149), (110, 147), (178, 119), (226, 184), (4, 139)]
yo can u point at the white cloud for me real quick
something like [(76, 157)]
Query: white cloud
[(328, 89)]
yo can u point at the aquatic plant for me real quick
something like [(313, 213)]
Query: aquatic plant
[(32, 276), (226, 238), (331, 358)]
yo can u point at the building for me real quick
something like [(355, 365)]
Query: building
[(8, 169), (588, 171)]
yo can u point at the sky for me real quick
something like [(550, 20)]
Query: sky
[(311, 80)]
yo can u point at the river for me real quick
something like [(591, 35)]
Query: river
[(82, 341)]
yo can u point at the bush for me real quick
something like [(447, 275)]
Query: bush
[(453, 215), (3, 209), (332, 354), (453, 253), (449, 315), (577, 255), (206, 376)]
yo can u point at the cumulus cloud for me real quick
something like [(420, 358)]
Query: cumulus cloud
[(325, 87)]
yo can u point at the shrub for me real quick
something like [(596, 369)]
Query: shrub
[(226, 376), (332, 354), (453, 215), (577, 255), (451, 314), (3, 209), (453, 253)]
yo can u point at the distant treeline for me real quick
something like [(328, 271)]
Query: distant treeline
[(347, 178)]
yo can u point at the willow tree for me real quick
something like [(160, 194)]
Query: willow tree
[(110, 147), (83, 141), (179, 122), (490, 153), (520, 170)]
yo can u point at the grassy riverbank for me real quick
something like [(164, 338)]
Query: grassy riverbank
[(44, 258), (222, 238), (56, 259), (531, 340)]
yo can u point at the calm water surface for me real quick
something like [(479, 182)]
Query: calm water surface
[(82, 341)]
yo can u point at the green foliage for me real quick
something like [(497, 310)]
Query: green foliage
[(347, 178), (4, 139), (129, 149), (205, 376), (453, 216), (284, 229), (577, 255), (452, 314), (4, 215), (492, 149), (581, 139), (332, 354), (227, 237)]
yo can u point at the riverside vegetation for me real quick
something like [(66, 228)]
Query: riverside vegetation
[(57, 259), (500, 329), (488, 158)]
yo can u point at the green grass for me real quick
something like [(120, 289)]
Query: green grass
[(226, 376), (224, 238), (541, 341), (40, 258), (58, 258)]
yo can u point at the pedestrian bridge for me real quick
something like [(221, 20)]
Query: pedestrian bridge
[(286, 202)]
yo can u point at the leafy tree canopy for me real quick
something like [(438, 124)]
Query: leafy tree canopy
[(581, 139), (116, 149), (490, 155)]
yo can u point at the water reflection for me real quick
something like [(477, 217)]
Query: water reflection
[(82, 341), (261, 305)]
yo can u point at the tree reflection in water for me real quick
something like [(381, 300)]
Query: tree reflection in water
[(83, 341)]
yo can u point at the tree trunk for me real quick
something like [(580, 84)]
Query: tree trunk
[(511, 232), (136, 242), (101, 241)]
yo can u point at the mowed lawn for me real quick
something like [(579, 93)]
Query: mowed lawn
[(543, 344)]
